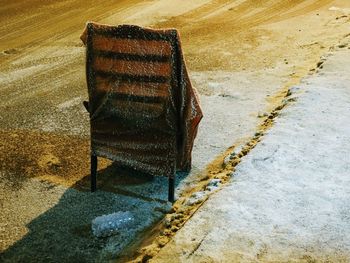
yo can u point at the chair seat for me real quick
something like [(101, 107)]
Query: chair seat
[(151, 152)]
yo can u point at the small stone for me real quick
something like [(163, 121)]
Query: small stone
[(166, 232), (162, 240), (258, 133), (235, 160), (245, 151), (234, 157), (182, 210), (168, 219), (174, 228), (150, 251), (176, 222), (280, 107), (182, 220), (319, 64), (178, 216)]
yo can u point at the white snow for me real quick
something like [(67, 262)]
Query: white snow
[(289, 197)]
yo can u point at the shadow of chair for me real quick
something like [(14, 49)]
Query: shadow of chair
[(63, 232)]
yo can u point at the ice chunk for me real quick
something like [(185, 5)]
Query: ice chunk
[(196, 198), (213, 185), (107, 225)]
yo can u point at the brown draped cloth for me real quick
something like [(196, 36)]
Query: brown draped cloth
[(144, 112)]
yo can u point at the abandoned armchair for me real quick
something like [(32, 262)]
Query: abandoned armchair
[(144, 113)]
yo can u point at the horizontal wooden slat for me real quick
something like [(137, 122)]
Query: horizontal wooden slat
[(138, 110), (132, 67), (145, 89), (131, 142), (119, 126), (131, 46), (133, 57), (131, 78)]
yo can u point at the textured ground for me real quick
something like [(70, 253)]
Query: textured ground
[(240, 55), (288, 200)]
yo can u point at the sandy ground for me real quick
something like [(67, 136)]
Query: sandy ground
[(288, 200), (241, 56)]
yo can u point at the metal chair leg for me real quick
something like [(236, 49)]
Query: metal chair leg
[(171, 191), (93, 172)]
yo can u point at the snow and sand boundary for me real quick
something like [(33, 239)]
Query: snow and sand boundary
[(309, 157)]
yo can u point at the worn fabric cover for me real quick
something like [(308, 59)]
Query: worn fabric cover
[(144, 112)]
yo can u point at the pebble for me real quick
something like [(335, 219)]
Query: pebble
[(176, 222), (168, 219), (162, 240), (258, 133), (280, 107), (174, 228)]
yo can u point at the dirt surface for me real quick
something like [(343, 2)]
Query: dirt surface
[(242, 55)]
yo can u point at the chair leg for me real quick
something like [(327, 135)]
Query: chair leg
[(171, 191), (93, 172)]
